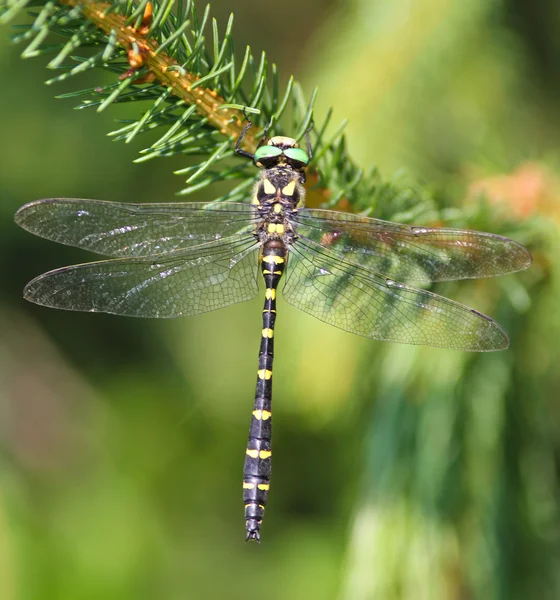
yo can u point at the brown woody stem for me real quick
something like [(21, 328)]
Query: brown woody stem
[(164, 68)]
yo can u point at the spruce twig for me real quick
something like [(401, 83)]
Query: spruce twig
[(157, 53)]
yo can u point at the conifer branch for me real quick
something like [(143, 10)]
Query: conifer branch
[(157, 51), (142, 51)]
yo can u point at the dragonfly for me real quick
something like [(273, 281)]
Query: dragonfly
[(348, 270)]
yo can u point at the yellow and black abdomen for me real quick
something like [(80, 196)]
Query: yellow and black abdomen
[(256, 472)]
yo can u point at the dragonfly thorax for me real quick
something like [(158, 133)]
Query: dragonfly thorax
[(280, 185)]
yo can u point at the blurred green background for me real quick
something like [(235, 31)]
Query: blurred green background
[(398, 472)]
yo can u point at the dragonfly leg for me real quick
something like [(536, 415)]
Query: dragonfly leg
[(238, 148)]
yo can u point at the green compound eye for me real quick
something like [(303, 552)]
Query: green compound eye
[(298, 155), (266, 152)]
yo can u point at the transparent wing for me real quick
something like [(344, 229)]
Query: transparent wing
[(411, 253), (354, 299), (119, 229), (184, 282)]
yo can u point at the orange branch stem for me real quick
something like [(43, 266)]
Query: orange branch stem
[(162, 67)]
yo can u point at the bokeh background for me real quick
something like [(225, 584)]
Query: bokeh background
[(398, 472)]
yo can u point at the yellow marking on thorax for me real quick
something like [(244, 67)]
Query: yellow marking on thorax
[(268, 187), (288, 190), (267, 332), (262, 415), (248, 486), (270, 294), (272, 258), (278, 208), (264, 374), (264, 454), (264, 487)]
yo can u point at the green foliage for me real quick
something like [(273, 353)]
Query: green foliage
[(78, 36)]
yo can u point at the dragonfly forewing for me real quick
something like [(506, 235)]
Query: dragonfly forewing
[(119, 230), (408, 253)]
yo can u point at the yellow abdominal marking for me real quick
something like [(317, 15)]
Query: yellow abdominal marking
[(263, 486), (268, 187), (267, 332), (262, 415), (271, 258), (264, 374), (270, 294), (289, 189), (263, 454), (248, 486)]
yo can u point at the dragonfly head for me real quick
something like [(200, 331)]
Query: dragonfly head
[(281, 151)]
